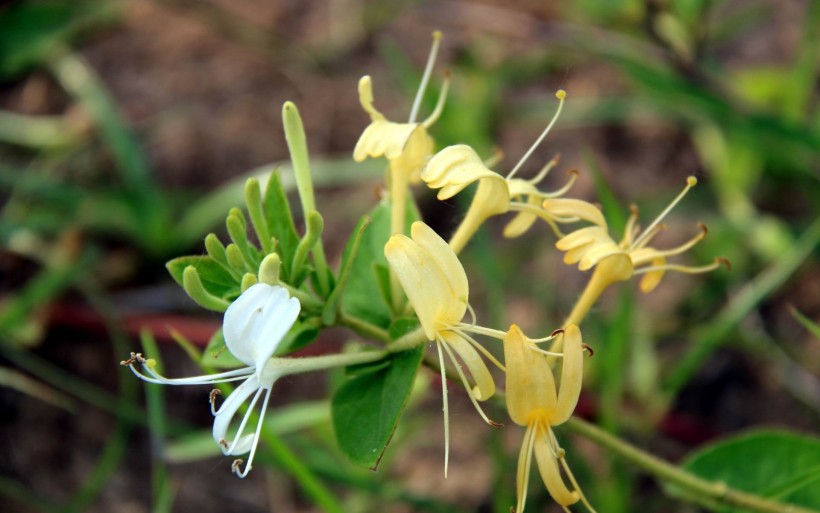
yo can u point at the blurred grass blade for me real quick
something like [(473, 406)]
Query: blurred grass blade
[(15, 492), (16, 380), (711, 336), (811, 326), (38, 132), (155, 405)]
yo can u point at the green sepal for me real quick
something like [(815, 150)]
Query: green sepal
[(216, 280)]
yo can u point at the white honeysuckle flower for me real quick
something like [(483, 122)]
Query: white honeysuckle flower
[(253, 326)]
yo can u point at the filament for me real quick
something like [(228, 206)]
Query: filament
[(690, 182), (428, 70)]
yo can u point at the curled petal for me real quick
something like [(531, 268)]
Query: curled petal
[(455, 167), (651, 279), (566, 207), (446, 260), (225, 415), (484, 384), (413, 158), (550, 473), (582, 237), (384, 138)]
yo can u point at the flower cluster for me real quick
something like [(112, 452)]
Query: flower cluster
[(277, 290)]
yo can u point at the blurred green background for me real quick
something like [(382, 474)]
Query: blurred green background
[(127, 129)]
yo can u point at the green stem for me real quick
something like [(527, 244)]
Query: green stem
[(363, 328), (706, 492)]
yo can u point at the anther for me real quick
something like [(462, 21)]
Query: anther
[(212, 396), (224, 443), (557, 332), (724, 261), (235, 466), (589, 350)]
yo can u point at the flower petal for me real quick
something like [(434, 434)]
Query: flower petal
[(567, 207), (484, 384), (384, 138), (226, 413), (572, 374), (548, 467), (530, 384)]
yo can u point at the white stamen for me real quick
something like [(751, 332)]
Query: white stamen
[(445, 408), (256, 435), (561, 95), (428, 70)]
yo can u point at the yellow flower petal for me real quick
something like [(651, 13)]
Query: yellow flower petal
[(450, 268), (548, 467), (651, 279), (484, 384), (384, 138), (566, 207), (572, 374), (530, 384)]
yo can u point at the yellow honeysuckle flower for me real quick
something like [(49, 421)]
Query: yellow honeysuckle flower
[(534, 401), (454, 168), (436, 285), (589, 246), (406, 145), (618, 261)]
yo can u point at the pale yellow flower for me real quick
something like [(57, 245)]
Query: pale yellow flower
[(456, 167), (590, 246), (406, 145), (436, 286), (534, 401)]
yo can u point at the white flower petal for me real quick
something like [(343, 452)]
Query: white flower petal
[(226, 412)]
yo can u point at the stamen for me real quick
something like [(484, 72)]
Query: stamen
[(589, 350), (442, 99), (210, 379), (479, 330), (546, 169), (561, 95), (546, 353), (683, 247), (255, 443), (212, 398), (646, 237), (690, 182), (541, 213), (527, 445), (631, 226), (467, 387), (428, 70), (236, 464), (687, 269), (495, 159), (563, 190), (445, 408), (472, 314), (572, 480), (483, 350)]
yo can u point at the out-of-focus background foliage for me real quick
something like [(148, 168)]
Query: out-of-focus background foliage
[(128, 127)]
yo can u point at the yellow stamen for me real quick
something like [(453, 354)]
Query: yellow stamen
[(442, 99), (544, 170), (690, 182)]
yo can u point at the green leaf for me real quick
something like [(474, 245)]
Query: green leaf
[(215, 278), (300, 335), (349, 254), (366, 408), (778, 465), (280, 221)]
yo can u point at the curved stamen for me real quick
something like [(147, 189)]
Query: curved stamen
[(479, 330), (544, 170), (684, 268), (563, 190), (568, 471), (442, 99), (524, 466), (428, 70), (255, 443), (547, 353), (208, 379), (690, 182), (483, 350), (679, 249), (561, 95), (467, 386), (631, 226), (646, 237), (495, 158), (473, 318)]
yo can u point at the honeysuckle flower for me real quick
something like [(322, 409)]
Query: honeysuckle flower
[(254, 326), (592, 246), (534, 401), (456, 167), (436, 286)]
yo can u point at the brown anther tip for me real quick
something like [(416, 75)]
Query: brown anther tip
[(589, 350), (557, 332), (495, 424), (212, 396), (573, 172), (448, 73), (724, 261), (704, 229), (633, 208), (223, 443), (236, 464), (556, 158)]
